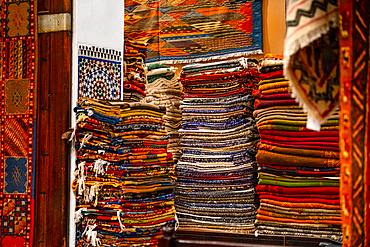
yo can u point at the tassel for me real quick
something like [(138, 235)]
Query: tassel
[(86, 194), (94, 191), (177, 222), (86, 138), (79, 215), (67, 135), (81, 179), (90, 112), (99, 167), (244, 62), (89, 194), (80, 117), (73, 135), (119, 220), (92, 235)]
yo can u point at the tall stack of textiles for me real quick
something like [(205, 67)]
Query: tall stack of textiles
[(133, 87), (216, 174), (298, 168), (124, 186), (163, 89)]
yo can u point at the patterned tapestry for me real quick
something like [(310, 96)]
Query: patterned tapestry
[(183, 31), (355, 121), (99, 73), (311, 53), (17, 135)]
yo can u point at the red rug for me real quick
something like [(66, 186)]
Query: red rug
[(18, 42)]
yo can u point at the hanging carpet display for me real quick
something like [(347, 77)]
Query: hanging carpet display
[(123, 178), (311, 53), (215, 174), (298, 168), (185, 31), (18, 40)]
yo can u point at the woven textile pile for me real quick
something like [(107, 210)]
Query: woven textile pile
[(134, 79), (298, 168), (215, 174), (163, 89), (123, 178)]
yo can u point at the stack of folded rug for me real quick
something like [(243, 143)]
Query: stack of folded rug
[(163, 89), (123, 178), (298, 168), (215, 175), (134, 79)]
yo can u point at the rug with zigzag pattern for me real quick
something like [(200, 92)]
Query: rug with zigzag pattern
[(183, 31)]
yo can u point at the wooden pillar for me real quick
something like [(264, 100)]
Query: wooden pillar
[(53, 119), (354, 121)]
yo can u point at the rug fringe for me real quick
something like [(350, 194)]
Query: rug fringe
[(205, 59), (303, 41)]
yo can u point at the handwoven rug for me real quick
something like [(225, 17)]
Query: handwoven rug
[(311, 53), (183, 31), (18, 123), (99, 73)]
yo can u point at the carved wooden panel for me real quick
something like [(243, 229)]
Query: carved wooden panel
[(355, 131)]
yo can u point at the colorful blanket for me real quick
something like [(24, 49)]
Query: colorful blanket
[(314, 76), (299, 151), (304, 190), (332, 234), (189, 31), (267, 157)]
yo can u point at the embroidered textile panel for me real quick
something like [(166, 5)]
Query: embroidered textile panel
[(197, 30), (99, 73), (355, 119), (17, 112)]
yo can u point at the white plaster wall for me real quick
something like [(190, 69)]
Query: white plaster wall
[(95, 23), (99, 23)]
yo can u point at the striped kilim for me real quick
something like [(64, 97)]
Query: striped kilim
[(197, 30)]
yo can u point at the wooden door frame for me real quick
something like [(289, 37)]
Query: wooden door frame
[(354, 121), (53, 119)]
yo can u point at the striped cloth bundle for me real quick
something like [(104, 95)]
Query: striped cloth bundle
[(123, 181), (298, 168), (163, 89), (215, 175), (134, 78)]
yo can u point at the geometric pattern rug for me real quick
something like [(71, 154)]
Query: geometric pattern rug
[(17, 116), (184, 31), (99, 73)]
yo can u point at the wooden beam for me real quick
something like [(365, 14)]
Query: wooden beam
[(53, 119)]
